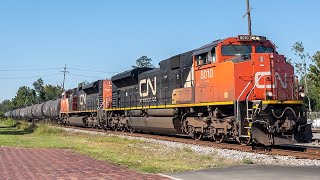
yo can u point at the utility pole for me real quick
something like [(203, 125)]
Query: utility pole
[(248, 14), (64, 75)]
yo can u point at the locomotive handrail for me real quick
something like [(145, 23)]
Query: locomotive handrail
[(240, 97), (102, 104), (247, 102), (238, 109)]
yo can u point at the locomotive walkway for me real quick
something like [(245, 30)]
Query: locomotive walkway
[(25, 163)]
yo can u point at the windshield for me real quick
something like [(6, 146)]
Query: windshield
[(233, 50), (263, 49)]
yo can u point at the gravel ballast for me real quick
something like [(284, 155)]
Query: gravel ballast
[(256, 158)]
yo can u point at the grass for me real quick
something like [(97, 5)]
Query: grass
[(134, 154), (247, 161)]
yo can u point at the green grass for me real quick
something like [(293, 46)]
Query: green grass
[(135, 154)]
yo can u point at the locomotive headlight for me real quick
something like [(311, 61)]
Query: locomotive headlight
[(269, 94), (302, 95), (271, 56)]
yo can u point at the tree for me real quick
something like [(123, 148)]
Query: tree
[(301, 66), (143, 61), (83, 83), (314, 77), (52, 92), (5, 106), (39, 87), (314, 69), (25, 97)]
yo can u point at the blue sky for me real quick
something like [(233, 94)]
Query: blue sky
[(103, 37)]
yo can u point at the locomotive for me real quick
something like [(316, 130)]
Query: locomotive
[(238, 88)]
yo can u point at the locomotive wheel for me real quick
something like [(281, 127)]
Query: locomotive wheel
[(123, 128), (220, 138), (130, 129), (245, 141), (197, 136)]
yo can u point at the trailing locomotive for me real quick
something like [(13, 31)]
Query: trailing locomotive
[(79, 106), (238, 88)]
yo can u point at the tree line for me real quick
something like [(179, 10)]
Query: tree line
[(309, 74), (26, 96)]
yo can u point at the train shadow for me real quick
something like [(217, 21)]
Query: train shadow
[(17, 129)]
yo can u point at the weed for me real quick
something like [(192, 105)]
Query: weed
[(247, 161), (45, 129)]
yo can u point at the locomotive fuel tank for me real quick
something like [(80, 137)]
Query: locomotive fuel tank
[(77, 121), (162, 112), (167, 125)]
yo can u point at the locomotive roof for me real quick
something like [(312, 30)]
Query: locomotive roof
[(129, 73), (206, 48), (152, 71)]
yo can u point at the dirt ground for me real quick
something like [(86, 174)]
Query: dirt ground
[(25, 163)]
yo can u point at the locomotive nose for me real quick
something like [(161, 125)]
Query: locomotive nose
[(274, 77)]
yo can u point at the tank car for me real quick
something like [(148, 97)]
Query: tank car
[(28, 113), (46, 109), (7, 114), (37, 111), (23, 113)]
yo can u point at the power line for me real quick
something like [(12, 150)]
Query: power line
[(26, 77), (90, 70), (85, 76), (15, 70)]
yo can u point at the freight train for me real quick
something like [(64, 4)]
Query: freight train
[(238, 88)]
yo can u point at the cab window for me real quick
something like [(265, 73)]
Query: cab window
[(236, 50), (202, 59), (263, 49), (213, 57)]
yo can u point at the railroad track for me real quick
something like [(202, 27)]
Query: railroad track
[(297, 151)]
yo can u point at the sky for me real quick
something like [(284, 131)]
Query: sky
[(97, 39)]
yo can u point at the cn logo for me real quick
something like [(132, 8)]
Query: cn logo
[(145, 85), (283, 82), (83, 99)]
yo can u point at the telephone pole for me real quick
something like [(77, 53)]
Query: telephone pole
[(248, 14), (64, 75)]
